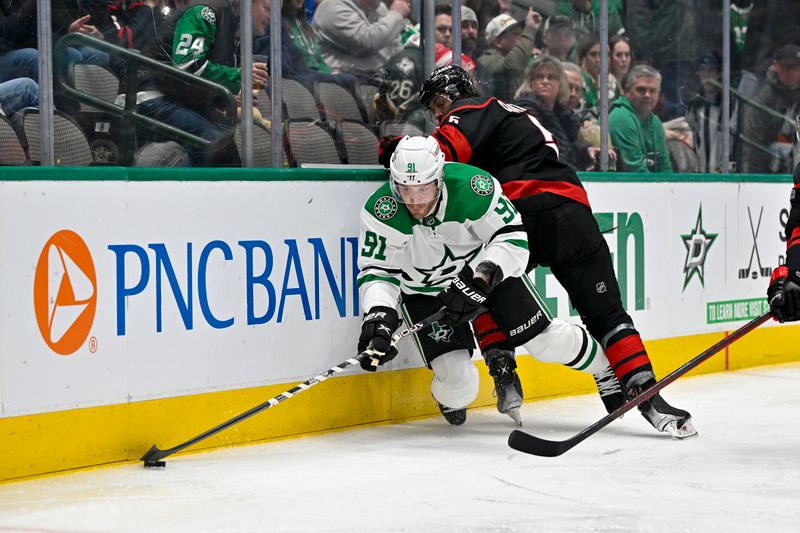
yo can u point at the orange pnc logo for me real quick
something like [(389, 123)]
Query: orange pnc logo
[(65, 292)]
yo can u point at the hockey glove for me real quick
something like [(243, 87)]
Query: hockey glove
[(376, 336), (783, 294), (386, 148), (463, 297)]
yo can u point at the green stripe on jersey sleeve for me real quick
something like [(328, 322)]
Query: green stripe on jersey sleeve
[(372, 277), (518, 243)]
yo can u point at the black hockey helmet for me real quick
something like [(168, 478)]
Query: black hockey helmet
[(451, 81)]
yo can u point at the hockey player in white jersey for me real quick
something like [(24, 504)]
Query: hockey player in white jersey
[(444, 235)]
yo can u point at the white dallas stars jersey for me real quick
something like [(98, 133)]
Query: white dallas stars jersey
[(473, 222)]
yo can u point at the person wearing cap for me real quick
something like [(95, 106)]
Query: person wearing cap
[(510, 46), (763, 116), (469, 32), (558, 37)]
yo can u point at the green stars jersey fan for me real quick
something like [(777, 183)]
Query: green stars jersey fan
[(472, 222)]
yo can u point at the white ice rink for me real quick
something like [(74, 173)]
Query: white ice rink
[(742, 473)]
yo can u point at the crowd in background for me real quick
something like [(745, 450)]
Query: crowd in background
[(664, 81)]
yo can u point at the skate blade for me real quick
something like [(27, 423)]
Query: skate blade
[(680, 432), (515, 416)]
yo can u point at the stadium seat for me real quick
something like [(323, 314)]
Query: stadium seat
[(310, 142), (299, 102), (70, 146), (360, 143), (367, 92), (100, 127), (262, 146), (338, 103), (11, 151)]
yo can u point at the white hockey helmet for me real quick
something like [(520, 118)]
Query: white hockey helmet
[(416, 161)]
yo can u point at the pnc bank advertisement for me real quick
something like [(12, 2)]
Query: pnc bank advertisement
[(113, 292)]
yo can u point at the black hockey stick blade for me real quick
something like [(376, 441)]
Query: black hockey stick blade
[(527, 443), (154, 456)]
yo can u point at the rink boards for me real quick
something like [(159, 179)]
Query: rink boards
[(144, 306)]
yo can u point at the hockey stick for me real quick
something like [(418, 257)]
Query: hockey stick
[(154, 456), (524, 442)]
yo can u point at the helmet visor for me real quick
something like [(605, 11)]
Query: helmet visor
[(415, 194)]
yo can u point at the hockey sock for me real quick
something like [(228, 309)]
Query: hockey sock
[(627, 355), (488, 333)]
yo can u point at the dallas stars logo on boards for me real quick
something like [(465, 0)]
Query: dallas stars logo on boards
[(440, 332), (697, 244), (448, 267)]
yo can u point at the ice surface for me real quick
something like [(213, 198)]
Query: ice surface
[(742, 473)]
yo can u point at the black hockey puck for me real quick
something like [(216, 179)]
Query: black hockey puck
[(155, 464)]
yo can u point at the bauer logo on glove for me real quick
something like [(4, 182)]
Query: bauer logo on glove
[(375, 340)]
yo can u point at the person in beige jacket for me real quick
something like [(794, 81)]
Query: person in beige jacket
[(359, 36)]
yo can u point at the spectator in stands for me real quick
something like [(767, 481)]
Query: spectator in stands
[(636, 132), (487, 10), (585, 15), (359, 36), (302, 36), (18, 55), (443, 26), (619, 57), (469, 32), (293, 59), (18, 94), (763, 118), (545, 93), (574, 76), (510, 46), (71, 16), (558, 37), (550, 97), (704, 115), (202, 41), (589, 60)]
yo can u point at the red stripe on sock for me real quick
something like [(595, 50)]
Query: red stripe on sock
[(484, 323), (624, 348), (491, 338), (631, 365)]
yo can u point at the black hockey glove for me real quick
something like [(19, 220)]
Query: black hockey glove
[(783, 294), (463, 296), (376, 335), (386, 148)]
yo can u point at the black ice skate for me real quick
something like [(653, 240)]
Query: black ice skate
[(455, 417), (610, 389), (507, 387), (657, 411)]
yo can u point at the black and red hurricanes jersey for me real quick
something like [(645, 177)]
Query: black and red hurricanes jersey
[(511, 144)]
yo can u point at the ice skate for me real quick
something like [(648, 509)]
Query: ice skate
[(610, 389), (657, 411), (455, 417), (507, 386)]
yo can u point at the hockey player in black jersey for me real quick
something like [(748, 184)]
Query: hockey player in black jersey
[(515, 148), (784, 286)]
